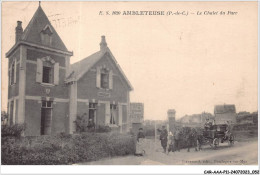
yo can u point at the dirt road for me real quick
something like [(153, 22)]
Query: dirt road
[(242, 153)]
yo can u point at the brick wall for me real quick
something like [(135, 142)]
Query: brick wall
[(36, 89), (87, 85)]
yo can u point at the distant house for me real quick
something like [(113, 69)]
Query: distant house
[(224, 113), (196, 120)]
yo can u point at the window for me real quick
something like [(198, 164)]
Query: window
[(47, 71), (47, 75), (46, 104), (46, 35), (113, 111), (104, 79), (12, 73)]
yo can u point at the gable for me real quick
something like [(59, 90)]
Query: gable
[(107, 62), (79, 69)]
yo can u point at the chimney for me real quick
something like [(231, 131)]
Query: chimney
[(18, 31), (103, 44)]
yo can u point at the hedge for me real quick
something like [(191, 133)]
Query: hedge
[(65, 149), (12, 130)]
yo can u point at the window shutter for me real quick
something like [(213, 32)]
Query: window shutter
[(56, 73), (14, 109), (110, 79), (8, 112), (107, 117), (15, 70), (98, 79), (39, 71), (119, 114)]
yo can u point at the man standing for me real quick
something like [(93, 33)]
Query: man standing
[(164, 138), (192, 138), (228, 130)]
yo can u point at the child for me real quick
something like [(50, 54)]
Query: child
[(171, 143)]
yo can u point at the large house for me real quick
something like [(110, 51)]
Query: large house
[(47, 93)]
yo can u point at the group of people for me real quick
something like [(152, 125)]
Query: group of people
[(173, 144), (170, 141)]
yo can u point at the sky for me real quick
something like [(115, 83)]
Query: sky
[(187, 63)]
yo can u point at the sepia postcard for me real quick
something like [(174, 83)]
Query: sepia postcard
[(130, 83)]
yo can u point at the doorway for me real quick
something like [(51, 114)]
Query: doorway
[(92, 119), (46, 117)]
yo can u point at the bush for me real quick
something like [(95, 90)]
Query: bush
[(65, 149), (12, 130), (81, 124), (101, 129)]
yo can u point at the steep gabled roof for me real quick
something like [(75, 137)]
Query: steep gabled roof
[(38, 23), (32, 34), (221, 109), (80, 68)]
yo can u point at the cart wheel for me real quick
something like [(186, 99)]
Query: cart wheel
[(216, 142)]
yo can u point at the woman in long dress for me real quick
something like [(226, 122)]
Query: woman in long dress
[(140, 143)]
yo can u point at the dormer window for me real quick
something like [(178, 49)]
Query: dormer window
[(46, 35)]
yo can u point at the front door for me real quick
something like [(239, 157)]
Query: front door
[(92, 113), (46, 115)]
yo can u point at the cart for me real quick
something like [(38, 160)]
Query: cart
[(216, 134)]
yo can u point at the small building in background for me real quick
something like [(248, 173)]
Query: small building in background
[(196, 120), (224, 113), (136, 116)]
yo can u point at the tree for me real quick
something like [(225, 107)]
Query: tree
[(4, 117)]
